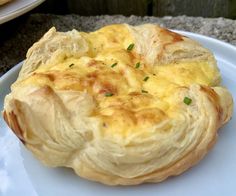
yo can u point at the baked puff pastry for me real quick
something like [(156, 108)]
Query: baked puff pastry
[(121, 105)]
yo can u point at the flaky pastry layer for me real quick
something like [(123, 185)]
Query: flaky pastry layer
[(120, 105)]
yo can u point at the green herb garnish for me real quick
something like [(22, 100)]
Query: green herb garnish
[(114, 64), (71, 64), (108, 94), (130, 47), (137, 65), (146, 78), (143, 91), (187, 100)]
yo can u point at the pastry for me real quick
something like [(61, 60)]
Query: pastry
[(122, 105)]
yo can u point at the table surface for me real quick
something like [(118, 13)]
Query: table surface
[(18, 35)]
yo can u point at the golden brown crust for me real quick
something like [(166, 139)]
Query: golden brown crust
[(11, 120), (186, 162), (118, 116)]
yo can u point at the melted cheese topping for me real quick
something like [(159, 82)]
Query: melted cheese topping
[(126, 96)]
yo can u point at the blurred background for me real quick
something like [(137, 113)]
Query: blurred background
[(204, 8)]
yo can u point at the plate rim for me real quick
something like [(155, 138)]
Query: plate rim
[(18, 12), (216, 41)]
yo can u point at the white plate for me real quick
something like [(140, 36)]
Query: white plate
[(16, 8), (22, 174)]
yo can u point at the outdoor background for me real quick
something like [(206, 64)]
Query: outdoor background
[(204, 8)]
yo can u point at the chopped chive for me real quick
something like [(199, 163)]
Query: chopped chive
[(137, 65), (114, 64), (71, 64), (108, 94), (146, 78), (130, 47), (143, 91), (187, 100)]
